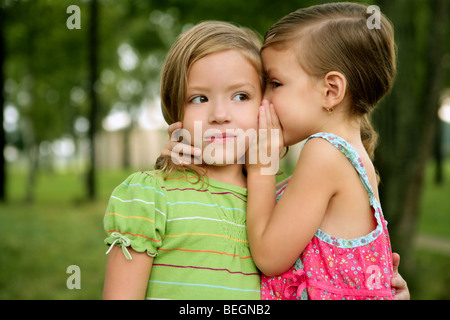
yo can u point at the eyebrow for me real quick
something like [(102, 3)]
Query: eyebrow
[(232, 87), (241, 85), (268, 71)]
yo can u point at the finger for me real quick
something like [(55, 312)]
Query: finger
[(395, 262), (166, 152), (189, 151), (173, 127), (168, 147), (397, 281), (268, 114), (186, 150), (263, 114), (180, 154), (273, 115), (402, 292), (183, 160), (174, 156), (262, 119)]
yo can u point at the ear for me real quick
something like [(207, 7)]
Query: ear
[(335, 87)]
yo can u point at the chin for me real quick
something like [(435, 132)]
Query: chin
[(222, 156)]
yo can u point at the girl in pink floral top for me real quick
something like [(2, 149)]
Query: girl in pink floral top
[(335, 268), (327, 68)]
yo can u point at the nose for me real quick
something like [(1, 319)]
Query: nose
[(220, 112)]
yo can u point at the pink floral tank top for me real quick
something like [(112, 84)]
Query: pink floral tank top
[(334, 268)]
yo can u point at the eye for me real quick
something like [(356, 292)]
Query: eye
[(199, 99), (241, 97), (275, 84)]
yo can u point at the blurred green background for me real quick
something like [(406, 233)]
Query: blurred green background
[(80, 112)]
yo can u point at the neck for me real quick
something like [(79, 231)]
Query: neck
[(340, 124), (231, 174)]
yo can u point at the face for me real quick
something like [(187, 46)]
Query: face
[(295, 95), (222, 101)]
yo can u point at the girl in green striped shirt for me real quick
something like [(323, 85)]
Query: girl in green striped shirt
[(180, 232)]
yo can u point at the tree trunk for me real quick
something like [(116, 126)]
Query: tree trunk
[(2, 107), (93, 112), (407, 120)]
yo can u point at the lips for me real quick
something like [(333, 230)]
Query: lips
[(219, 137)]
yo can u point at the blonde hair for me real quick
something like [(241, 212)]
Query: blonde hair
[(336, 37), (201, 40)]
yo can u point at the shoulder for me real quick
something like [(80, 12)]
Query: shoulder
[(142, 184), (317, 165), (144, 179), (158, 181), (137, 211), (156, 178), (318, 153)]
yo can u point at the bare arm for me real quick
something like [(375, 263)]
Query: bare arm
[(126, 279), (278, 233)]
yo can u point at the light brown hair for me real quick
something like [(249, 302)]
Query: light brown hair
[(336, 37), (205, 38)]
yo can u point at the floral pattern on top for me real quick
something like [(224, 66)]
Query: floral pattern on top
[(335, 268)]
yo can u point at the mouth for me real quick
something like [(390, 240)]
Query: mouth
[(219, 138)]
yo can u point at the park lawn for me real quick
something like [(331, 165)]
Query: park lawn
[(435, 204), (40, 241)]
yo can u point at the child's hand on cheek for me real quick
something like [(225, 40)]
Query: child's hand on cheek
[(268, 119), (188, 153), (265, 152)]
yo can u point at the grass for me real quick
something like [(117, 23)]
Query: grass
[(435, 208), (41, 240), (432, 265)]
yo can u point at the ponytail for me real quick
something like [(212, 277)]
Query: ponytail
[(369, 136)]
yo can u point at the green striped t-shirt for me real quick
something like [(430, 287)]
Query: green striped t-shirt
[(196, 234)]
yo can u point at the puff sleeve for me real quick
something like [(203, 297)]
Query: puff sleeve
[(136, 216)]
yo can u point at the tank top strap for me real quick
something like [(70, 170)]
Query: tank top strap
[(352, 155)]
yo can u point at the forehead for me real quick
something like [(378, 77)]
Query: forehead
[(278, 58), (228, 65), (225, 57)]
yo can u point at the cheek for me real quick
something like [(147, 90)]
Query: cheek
[(252, 125), (247, 119), (189, 118), (189, 127), (280, 110)]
